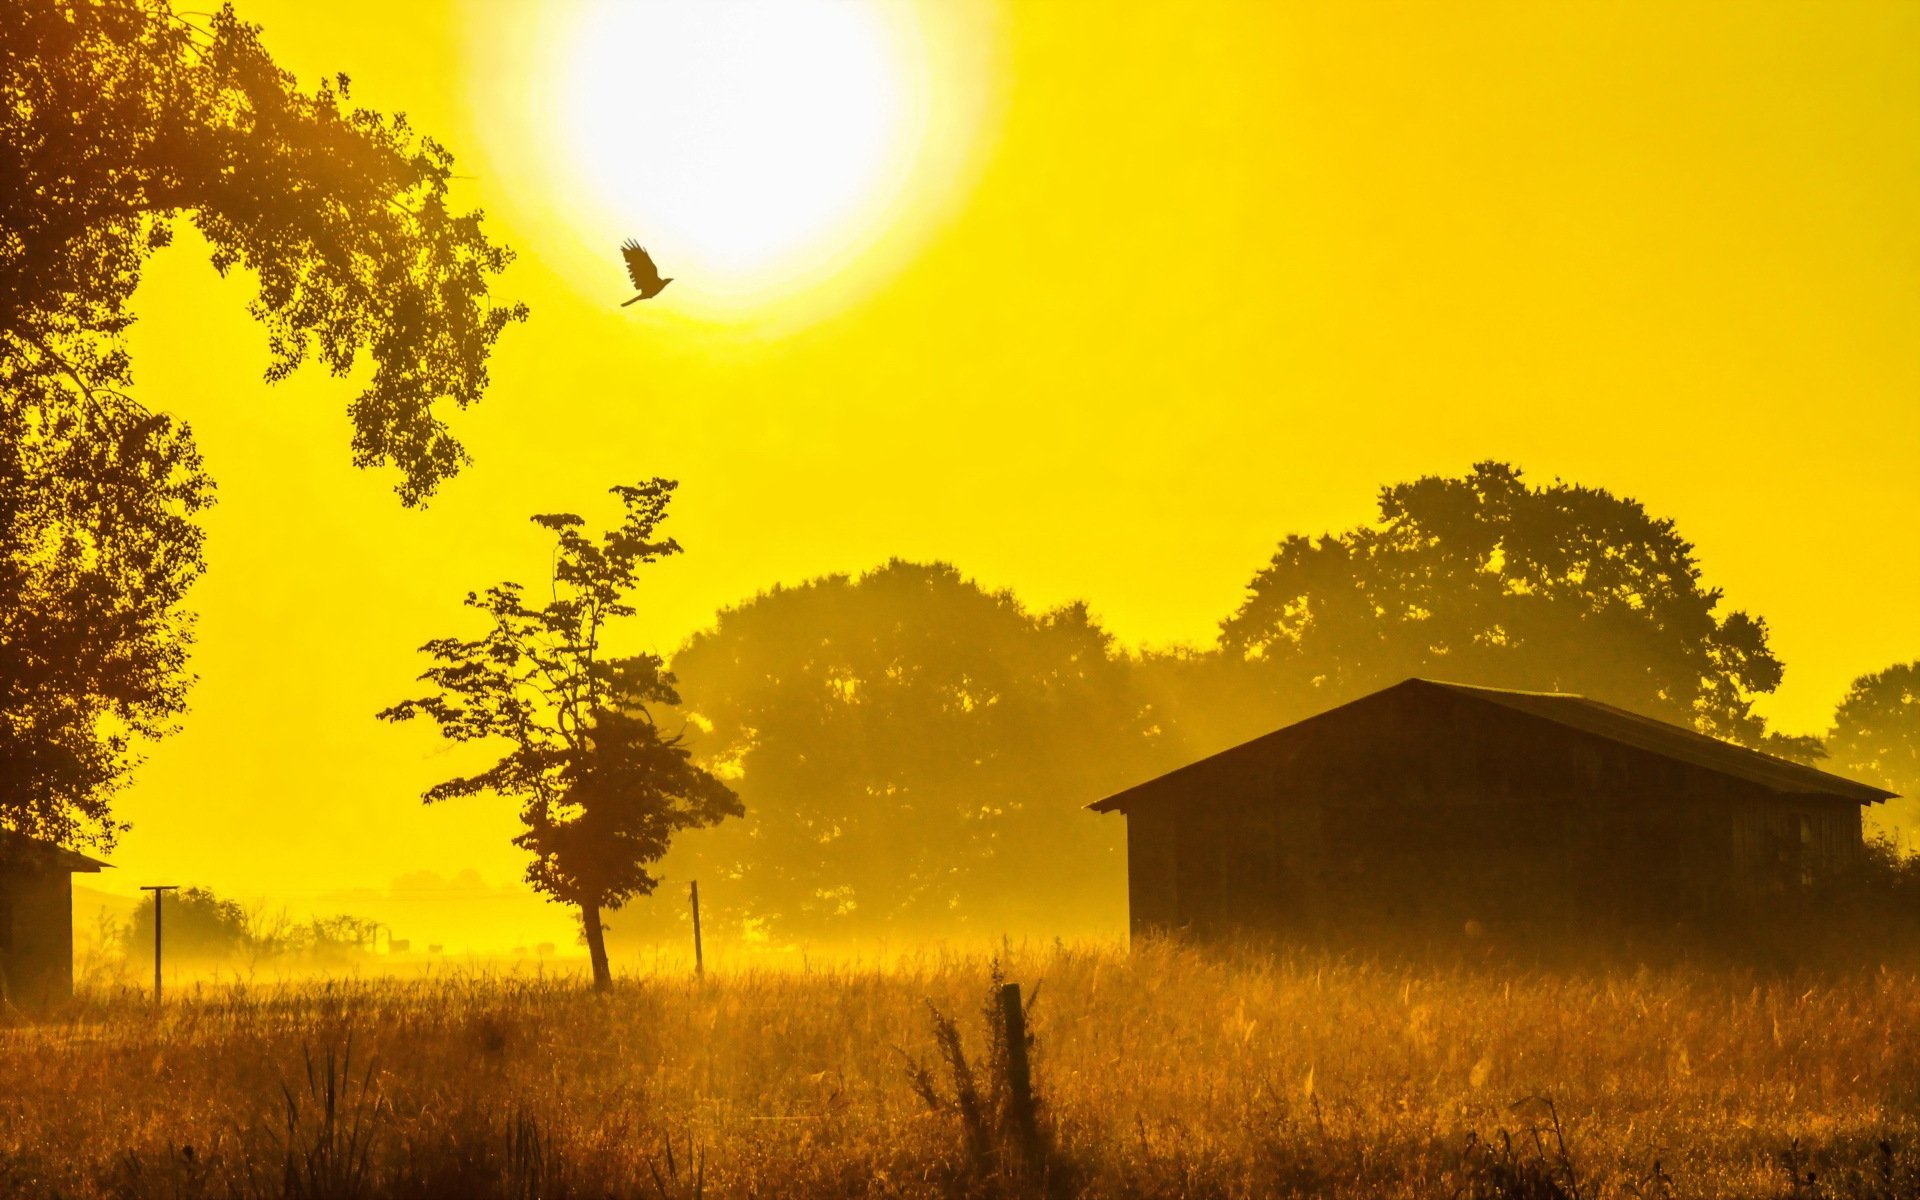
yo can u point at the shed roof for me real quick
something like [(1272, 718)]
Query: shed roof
[(1674, 741), (31, 849), (1604, 721)]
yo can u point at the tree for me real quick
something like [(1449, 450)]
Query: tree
[(98, 547), (1486, 579), (602, 790), (1876, 736), (117, 119), (197, 924), (915, 752), (123, 117)]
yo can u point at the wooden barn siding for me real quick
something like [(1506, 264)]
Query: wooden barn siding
[(1768, 846), (1463, 813), (1153, 881), (36, 947)]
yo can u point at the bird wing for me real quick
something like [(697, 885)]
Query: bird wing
[(640, 266)]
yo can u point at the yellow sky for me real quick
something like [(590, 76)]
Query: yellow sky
[(1163, 283)]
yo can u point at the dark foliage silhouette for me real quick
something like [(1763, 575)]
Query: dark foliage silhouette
[(98, 547), (602, 790), (1876, 737), (1486, 579), (641, 270), (123, 117), (202, 927), (197, 925), (913, 750), (117, 119)]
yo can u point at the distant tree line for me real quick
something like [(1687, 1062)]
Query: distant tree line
[(200, 927), (913, 751)]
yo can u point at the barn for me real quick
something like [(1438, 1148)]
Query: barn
[(1430, 808), (36, 919)]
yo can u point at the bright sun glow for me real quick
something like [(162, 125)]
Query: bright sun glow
[(752, 147)]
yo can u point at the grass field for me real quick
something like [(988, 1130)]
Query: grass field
[(1160, 1073)]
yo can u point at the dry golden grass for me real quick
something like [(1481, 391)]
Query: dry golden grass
[(1163, 1073)]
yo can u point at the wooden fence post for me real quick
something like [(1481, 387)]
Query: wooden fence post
[(1013, 1017), (699, 958)]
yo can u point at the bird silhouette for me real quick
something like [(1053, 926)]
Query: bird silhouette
[(641, 270)]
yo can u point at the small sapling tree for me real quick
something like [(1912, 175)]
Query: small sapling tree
[(602, 790)]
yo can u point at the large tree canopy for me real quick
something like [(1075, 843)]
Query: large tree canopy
[(911, 748), (1486, 579), (1876, 737), (120, 117), (117, 119)]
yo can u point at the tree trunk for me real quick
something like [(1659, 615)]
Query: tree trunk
[(596, 946)]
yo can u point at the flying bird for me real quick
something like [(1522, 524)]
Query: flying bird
[(641, 270)]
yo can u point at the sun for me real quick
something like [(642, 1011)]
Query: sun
[(752, 147)]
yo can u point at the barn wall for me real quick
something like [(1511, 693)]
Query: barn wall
[(1247, 858), (39, 938), (1418, 813), (1445, 861), (1231, 866), (1784, 842), (1153, 881)]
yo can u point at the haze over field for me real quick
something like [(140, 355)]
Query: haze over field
[(1099, 311), (961, 598)]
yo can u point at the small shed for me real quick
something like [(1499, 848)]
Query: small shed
[(1429, 808), (36, 918)]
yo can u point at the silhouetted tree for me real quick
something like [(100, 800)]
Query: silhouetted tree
[(912, 749), (1876, 737), (1486, 579), (117, 118), (98, 547), (602, 791), (1209, 701), (122, 116)]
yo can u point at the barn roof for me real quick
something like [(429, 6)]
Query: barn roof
[(32, 849), (1604, 721), (1674, 741)]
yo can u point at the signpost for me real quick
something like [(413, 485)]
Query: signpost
[(158, 890)]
